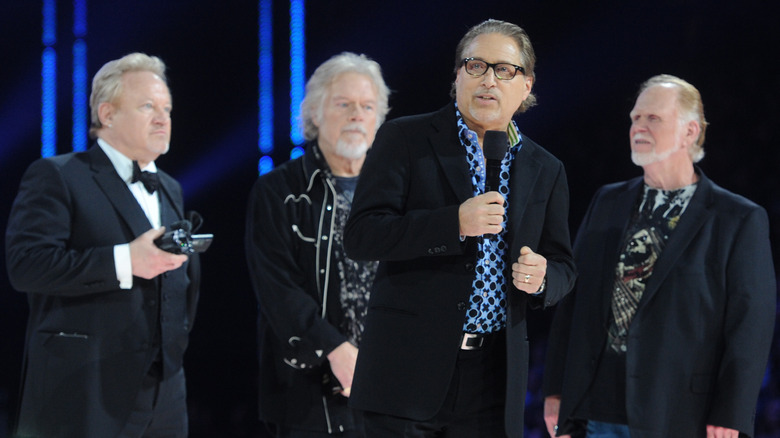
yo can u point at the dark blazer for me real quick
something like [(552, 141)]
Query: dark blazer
[(405, 214), (699, 341), (89, 343)]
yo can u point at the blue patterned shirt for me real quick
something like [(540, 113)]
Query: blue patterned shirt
[(487, 308)]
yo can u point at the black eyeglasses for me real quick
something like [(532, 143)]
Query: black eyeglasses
[(504, 71)]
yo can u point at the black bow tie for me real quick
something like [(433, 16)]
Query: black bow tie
[(150, 180)]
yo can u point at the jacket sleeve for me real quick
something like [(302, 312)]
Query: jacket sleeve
[(555, 244), (280, 284), (41, 257), (748, 326), (558, 339), (385, 222)]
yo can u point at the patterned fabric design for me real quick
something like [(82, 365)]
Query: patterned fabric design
[(652, 224), (356, 276), (487, 304)]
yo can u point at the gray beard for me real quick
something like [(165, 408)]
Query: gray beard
[(352, 151), (647, 158)]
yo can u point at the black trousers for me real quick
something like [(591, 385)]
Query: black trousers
[(473, 407), (160, 409)]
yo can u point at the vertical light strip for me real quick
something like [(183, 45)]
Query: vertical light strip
[(296, 152), (80, 107), (49, 80), (265, 78), (297, 66)]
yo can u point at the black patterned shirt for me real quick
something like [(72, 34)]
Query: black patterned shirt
[(356, 277)]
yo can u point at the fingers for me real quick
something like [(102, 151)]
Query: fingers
[(154, 233), (529, 271), (483, 214), (342, 363), (552, 405), (149, 261)]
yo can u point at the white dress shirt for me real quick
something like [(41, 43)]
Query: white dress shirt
[(149, 202)]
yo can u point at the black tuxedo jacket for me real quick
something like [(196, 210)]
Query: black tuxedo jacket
[(89, 343), (699, 341), (405, 214)]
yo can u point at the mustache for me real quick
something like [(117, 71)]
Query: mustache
[(355, 127), (491, 93)]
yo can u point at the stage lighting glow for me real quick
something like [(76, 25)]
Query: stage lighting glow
[(49, 103), (265, 77), (297, 66), (49, 80), (265, 165), (80, 107)]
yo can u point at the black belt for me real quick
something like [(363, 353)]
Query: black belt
[(475, 341)]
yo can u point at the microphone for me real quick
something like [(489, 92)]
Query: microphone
[(494, 149)]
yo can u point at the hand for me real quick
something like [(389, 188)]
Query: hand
[(342, 362), (148, 260), (552, 406), (721, 432), (529, 271), (482, 214)]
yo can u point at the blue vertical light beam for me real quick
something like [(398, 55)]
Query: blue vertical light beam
[(297, 66), (265, 78), (80, 80), (49, 80)]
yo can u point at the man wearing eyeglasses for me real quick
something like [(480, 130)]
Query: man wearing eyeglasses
[(463, 251)]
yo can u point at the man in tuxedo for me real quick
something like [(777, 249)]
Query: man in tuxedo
[(312, 298), (444, 351), (669, 329), (110, 313)]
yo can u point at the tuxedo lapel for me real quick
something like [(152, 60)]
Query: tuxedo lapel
[(117, 192), (170, 211)]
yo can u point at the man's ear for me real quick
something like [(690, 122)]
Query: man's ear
[(106, 113), (692, 130)]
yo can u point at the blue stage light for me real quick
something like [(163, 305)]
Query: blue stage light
[(49, 80), (297, 66), (265, 77), (80, 106), (48, 102), (49, 22), (265, 165)]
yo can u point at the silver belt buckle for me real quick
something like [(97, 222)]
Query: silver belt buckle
[(464, 341)]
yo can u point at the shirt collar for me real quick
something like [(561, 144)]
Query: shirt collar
[(122, 164), (512, 132)]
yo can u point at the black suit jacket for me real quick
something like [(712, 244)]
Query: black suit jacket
[(405, 214), (89, 343), (699, 341)]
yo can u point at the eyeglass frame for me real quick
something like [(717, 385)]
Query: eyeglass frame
[(493, 66)]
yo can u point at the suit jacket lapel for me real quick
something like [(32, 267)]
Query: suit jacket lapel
[(117, 192), (448, 150), (691, 221), (522, 179), (621, 208)]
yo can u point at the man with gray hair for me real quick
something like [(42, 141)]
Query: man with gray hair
[(312, 298), (668, 332), (110, 312)]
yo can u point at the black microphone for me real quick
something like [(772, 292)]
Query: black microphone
[(494, 148)]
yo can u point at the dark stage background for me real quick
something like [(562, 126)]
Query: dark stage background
[(591, 58)]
